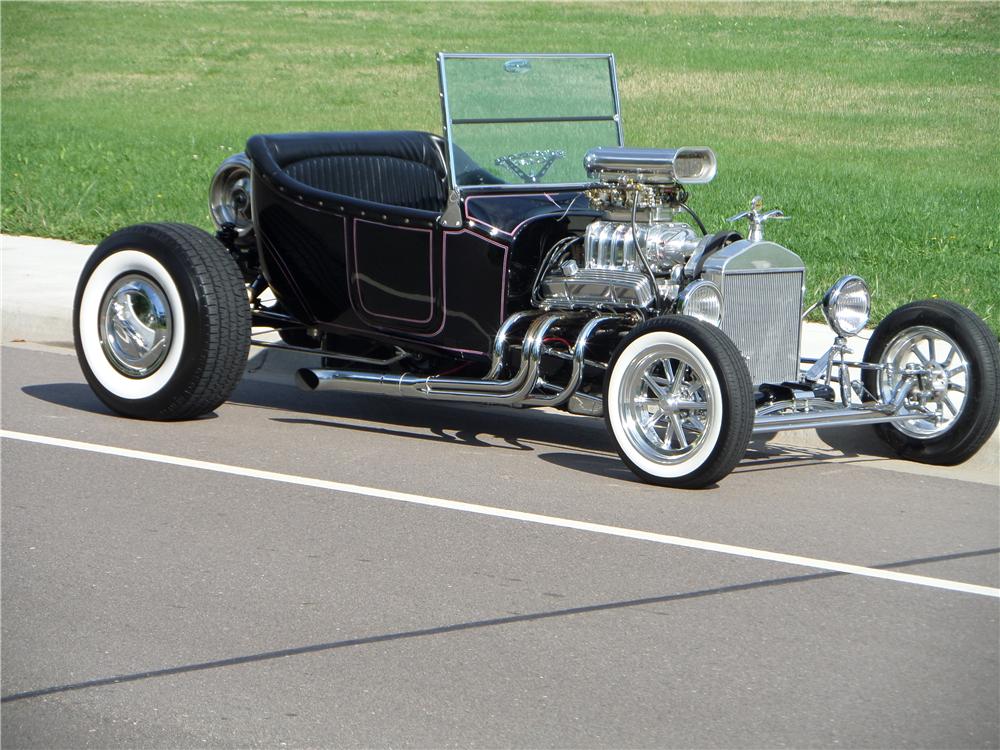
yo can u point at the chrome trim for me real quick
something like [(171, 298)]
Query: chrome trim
[(649, 166), (229, 200), (847, 417), (767, 256), (135, 325), (832, 297), (762, 287)]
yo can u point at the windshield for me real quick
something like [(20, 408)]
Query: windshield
[(527, 119)]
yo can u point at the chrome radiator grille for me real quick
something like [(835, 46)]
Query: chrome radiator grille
[(761, 314)]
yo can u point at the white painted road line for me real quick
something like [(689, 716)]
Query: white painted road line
[(514, 515)]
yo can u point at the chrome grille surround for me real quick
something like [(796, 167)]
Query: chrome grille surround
[(762, 287)]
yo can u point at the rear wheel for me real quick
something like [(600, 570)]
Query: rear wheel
[(679, 402), (161, 322), (956, 401)]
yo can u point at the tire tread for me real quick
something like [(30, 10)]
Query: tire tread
[(977, 424), (224, 317)]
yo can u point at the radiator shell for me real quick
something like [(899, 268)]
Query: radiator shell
[(762, 287)]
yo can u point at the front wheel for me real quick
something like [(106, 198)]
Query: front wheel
[(678, 402), (161, 322), (954, 359)]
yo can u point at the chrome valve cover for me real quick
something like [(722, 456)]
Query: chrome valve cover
[(597, 288)]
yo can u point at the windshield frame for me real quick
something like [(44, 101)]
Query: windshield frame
[(443, 57)]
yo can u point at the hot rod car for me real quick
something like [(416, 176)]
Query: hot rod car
[(526, 258)]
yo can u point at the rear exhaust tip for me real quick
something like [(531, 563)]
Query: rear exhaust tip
[(307, 380)]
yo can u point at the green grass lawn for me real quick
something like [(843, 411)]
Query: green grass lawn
[(876, 127)]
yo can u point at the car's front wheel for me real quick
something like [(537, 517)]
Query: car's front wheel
[(679, 402), (161, 322), (953, 359)]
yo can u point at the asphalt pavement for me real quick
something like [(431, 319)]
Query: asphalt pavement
[(334, 570)]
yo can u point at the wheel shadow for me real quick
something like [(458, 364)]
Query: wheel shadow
[(80, 397), (76, 396)]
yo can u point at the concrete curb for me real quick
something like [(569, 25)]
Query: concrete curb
[(39, 279)]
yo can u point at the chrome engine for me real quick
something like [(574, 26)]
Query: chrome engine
[(637, 256), (611, 244)]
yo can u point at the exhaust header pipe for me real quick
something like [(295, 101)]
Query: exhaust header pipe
[(512, 391)]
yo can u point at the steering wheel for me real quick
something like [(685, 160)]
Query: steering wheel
[(530, 166)]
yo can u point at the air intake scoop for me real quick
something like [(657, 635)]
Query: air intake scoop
[(651, 166)]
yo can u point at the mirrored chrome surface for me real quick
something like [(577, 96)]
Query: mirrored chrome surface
[(847, 305), (666, 404), (135, 325), (942, 374)]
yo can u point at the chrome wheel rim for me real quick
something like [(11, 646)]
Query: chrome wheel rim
[(135, 325), (942, 374), (666, 404)]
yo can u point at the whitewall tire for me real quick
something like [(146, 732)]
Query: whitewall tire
[(678, 402), (161, 322)]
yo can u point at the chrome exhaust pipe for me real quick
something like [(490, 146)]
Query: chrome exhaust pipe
[(511, 391), (579, 358)]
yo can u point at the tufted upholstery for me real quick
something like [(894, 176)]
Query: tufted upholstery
[(397, 168)]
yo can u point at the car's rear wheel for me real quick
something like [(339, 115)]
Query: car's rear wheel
[(161, 322), (679, 402), (956, 401)]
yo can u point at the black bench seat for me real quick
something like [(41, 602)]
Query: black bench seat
[(395, 168)]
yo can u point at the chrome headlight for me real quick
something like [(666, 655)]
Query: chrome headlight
[(229, 195), (701, 300), (847, 305)]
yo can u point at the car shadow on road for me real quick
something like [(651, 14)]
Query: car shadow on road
[(648, 602), (436, 434), (77, 396), (582, 444), (476, 425)]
